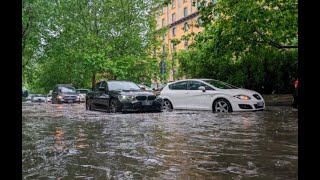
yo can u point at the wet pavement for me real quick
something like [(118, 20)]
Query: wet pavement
[(64, 141)]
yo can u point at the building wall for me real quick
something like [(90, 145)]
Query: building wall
[(166, 17)]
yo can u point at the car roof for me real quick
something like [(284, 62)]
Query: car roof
[(201, 79)]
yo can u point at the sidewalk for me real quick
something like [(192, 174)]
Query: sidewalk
[(278, 99)]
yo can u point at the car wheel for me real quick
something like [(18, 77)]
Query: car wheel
[(167, 106), (221, 105), (113, 107)]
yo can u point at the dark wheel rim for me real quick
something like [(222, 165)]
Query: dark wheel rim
[(167, 105), (221, 106), (113, 106)]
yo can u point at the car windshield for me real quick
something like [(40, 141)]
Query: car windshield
[(67, 89), (82, 91), (122, 85), (38, 95), (220, 84)]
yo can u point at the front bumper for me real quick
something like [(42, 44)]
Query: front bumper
[(250, 105), (142, 106), (68, 101)]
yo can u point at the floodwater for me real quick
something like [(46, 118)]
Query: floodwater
[(67, 142)]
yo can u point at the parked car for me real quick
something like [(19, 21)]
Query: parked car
[(49, 96), (38, 98), (64, 93), (121, 96), (210, 94), (82, 94), (144, 87)]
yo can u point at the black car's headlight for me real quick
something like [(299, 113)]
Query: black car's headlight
[(158, 97), (126, 98), (242, 97)]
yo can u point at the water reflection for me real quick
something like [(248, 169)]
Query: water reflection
[(177, 145)]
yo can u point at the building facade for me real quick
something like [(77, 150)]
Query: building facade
[(180, 18)]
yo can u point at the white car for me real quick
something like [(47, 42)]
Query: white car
[(38, 98), (82, 94), (210, 94)]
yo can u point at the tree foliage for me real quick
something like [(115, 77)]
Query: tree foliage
[(247, 43), (82, 40)]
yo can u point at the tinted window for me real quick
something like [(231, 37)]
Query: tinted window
[(104, 84), (178, 86), (220, 84), (122, 85), (194, 85), (83, 91), (96, 87)]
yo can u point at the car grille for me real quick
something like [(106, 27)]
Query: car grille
[(151, 97), (141, 98), (70, 97), (257, 96), (144, 98)]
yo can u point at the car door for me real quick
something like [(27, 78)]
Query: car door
[(178, 92), (103, 96), (95, 93), (197, 99)]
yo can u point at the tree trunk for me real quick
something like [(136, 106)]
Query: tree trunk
[(93, 80)]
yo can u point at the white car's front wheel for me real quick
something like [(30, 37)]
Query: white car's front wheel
[(221, 105)]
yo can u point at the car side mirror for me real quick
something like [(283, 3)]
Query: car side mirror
[(202, 88), (102, 89)]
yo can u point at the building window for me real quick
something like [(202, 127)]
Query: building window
[(162, 22), (199, 22), (162, 10), (173, 5), (173, 31), (173, 17), (185, 26), (185, 12), (185, 0), (214, 1), (198, 4), (163, 36), (163, 48), (185, 43), (173, 47)]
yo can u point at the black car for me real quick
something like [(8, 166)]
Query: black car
[(64, 93), (122, 96)]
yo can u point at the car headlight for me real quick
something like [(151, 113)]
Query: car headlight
[(158, 97), (242, 97), (60, 97), (126, 97)]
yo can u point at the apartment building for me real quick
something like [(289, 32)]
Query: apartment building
[(181, 17)]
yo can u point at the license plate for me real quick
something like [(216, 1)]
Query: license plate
[(146, 103), (70, 101), (260, 104)]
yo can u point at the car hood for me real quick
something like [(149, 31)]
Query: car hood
[(136, 93), (234, 92), (69, 94)]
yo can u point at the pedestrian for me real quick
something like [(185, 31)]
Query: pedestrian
[(295, 95)]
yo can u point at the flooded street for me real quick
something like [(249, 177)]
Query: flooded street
[(68, 142)]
